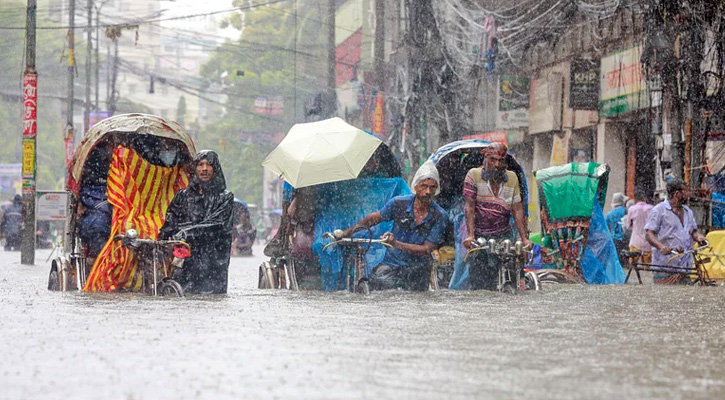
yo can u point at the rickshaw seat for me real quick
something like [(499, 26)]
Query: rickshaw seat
[(715, 261)]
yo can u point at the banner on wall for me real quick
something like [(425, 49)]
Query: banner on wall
[(622, 83), (546, 99), (496, 137), (560, 149), (513, 102)]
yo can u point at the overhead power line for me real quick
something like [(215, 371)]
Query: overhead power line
[(248, 7)]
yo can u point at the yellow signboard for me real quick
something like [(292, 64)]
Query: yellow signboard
[(29, 158)]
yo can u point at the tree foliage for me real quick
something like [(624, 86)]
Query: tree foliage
[(52, 88), (265, 52)]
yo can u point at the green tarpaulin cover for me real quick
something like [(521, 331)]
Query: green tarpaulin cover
[(568, 192)]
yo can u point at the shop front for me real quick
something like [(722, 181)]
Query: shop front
[(624, 134)]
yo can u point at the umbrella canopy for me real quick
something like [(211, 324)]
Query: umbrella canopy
[(319, 152)]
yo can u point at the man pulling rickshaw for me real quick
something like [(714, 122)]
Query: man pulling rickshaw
[(419, 225), (492, 197)]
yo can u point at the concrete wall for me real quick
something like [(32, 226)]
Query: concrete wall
[(611, 150)]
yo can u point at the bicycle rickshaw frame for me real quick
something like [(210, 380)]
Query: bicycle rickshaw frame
[(279, 272), (453, 161), (69, 270), (561, 226), (696, 271), (352, 250)]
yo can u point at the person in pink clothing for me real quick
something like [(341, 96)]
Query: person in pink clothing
[(636, 219)]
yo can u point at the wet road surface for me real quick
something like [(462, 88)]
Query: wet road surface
[(566, 342)]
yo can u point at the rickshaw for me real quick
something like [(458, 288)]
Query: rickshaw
[(125, 171), (305, 262), (453, 162), (575, 236)]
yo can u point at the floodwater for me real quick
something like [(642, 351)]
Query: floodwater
[(578, 342)]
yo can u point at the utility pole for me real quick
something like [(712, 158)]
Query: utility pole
[(89, 52), (114, 76), (331, 103), (379, 44), (69, 145), (98, 43), (30, 130)]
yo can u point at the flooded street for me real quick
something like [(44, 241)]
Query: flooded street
[(629, 341)]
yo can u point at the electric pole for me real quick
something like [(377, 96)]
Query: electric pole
[(98, 43), (30, 130), (379, 45), (69, 145), (89, 52), (331, 95)]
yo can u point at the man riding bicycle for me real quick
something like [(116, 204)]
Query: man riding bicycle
[(671, 227), (201, 215), (492, 196), (418, 228)]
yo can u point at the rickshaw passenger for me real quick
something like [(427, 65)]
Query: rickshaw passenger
[(201, 215), (419, 224), (491, 194), (95, 223), (302, 226), (11, 222)]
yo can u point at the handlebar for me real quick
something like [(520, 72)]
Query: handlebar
[(338, 240), (502, 247), (677, 254), (151, 241)]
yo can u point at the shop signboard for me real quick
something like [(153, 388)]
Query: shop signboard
[(52, 205), (378, 115), (560, 149), (546, 99), (513, 102), (584, 85), (10, 178), (622, 83), (272, 191), (495, 137)]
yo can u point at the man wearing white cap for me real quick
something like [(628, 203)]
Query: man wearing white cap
[(419, 225)]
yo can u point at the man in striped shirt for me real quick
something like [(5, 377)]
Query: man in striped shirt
[(492, 196)]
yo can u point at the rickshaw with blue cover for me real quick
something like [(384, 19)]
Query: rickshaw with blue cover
[(453, 162), (303, 260)]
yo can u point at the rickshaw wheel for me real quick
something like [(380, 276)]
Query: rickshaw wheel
[(53, 280), (363, 287), (171, 288), (532, 281), (508, 288)]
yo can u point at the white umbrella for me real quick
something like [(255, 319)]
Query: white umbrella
[(319, 152)]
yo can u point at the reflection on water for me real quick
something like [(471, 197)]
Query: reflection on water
[(568, 341)]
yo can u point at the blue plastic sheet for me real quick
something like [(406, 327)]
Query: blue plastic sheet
[(459, 279), (340, 205), (600, 264), (718, 210)]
